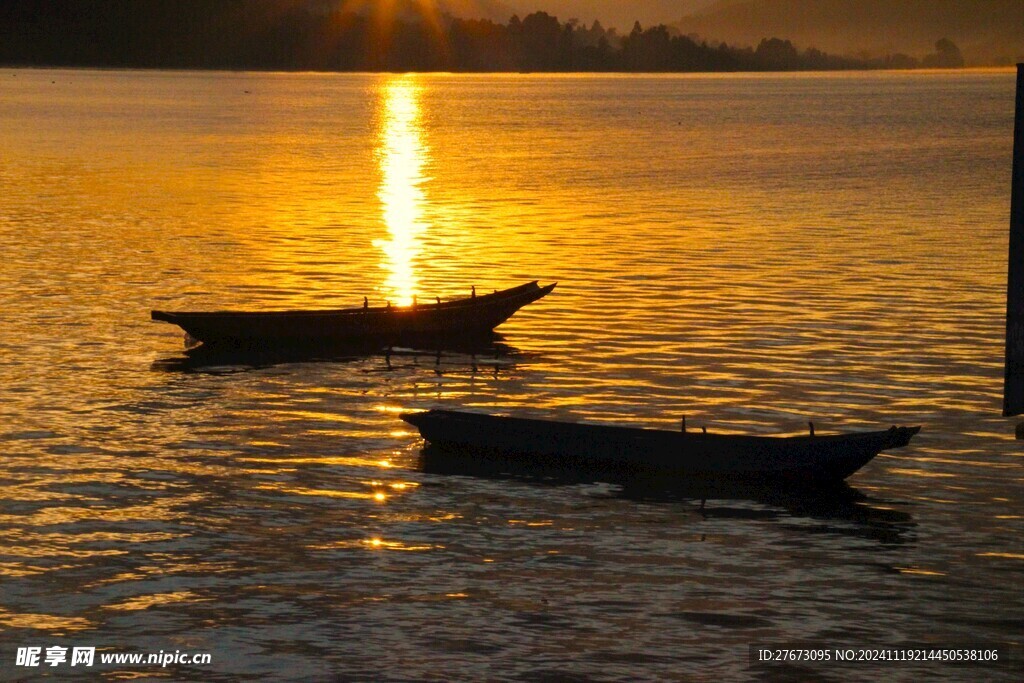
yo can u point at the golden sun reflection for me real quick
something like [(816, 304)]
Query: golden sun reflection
[(146, 601), (402, 154), (48, 622), (377, 543)]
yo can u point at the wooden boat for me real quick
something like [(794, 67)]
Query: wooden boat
[(458, 318), (804, 459)]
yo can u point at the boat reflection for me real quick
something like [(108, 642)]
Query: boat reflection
[(488, 350), (402, 154), (859, 514)]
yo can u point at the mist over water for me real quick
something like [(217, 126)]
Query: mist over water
[(751, 251)]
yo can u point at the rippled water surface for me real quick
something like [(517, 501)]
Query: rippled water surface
[(752, 252)]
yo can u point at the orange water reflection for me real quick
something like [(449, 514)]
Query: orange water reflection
[(401, 154), (47, 622)]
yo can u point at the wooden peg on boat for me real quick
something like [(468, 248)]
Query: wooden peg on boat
[(684, 424), (811, 425)]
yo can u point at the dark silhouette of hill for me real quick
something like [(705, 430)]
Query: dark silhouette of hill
[(987, 31), (413, 36), (616, 14)]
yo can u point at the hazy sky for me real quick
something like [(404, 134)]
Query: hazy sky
[(618, 13)]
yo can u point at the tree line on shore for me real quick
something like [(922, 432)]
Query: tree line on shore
[(283, 35)]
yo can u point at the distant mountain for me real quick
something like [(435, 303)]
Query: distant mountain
[(411, 35), (986, 31)]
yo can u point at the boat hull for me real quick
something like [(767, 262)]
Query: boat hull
[(714, 456), (467, 318)]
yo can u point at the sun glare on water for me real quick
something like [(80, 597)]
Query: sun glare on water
[(402, 155)]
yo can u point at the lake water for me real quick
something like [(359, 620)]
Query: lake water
[(750, 251)]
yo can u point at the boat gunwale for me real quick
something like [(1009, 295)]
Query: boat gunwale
[(511, 294), (639, 433)]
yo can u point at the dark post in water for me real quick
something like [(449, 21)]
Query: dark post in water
[(1013, 385)]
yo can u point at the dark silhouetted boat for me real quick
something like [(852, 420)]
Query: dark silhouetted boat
[(468, 318), (803, 459)]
